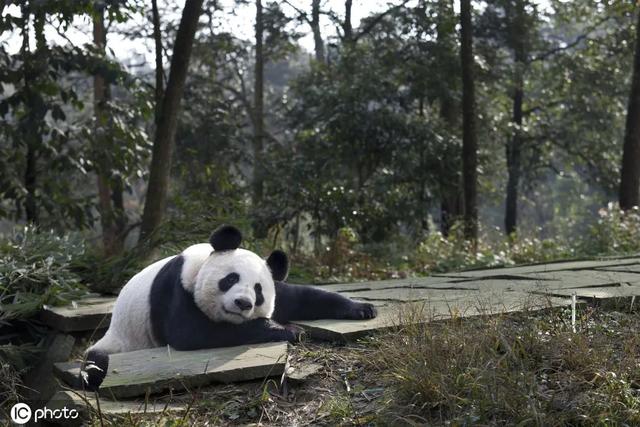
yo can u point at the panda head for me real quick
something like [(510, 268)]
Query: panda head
[(235, 285)]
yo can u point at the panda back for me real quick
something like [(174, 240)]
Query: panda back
[(130, 327)]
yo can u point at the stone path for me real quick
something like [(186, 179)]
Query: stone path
[(460, 294)]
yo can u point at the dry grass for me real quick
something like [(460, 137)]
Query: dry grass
[(521, 369), (525, 369), (342, 393)]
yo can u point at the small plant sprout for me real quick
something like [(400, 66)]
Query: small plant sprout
[(573, 312)]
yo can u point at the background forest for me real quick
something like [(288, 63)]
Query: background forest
[(429, 135)]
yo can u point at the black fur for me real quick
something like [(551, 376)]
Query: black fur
[(228, 281), (177, 321), (301, 302), (95, 367), (278, 263), (225, 238), (259, 297)]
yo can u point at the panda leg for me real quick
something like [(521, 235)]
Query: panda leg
[(300, 302), (183, 336), (96, 364)]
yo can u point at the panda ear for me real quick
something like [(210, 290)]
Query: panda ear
[(278, 263), (225, 238)]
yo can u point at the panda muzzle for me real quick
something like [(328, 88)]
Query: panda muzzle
[(243, 304)]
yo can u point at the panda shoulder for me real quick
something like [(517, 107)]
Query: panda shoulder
[(194, 256)]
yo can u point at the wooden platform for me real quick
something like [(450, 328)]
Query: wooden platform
[(87, 314), (486, 291), (85, 403), (462, 294), (159, 369)]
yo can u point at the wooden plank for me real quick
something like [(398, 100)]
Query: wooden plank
[(540, 268), (604, 292), (410, 294), (394, 314), (85, 404), (585, 278), (416, 282), (633, 268), (86, 314), (555, 280), (158, 369)]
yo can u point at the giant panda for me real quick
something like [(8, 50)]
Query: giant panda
[(212, 295)]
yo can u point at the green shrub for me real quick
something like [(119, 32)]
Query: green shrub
[(615, 232), (36, 269), (437, 253)]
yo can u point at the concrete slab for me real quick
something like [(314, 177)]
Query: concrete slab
[(85, 404), (541, 268), (86, 314), (154, 370), (392, 315), (585, 278), (599, 292)]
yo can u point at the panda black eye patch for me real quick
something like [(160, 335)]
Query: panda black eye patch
[(259, 297), (228, 281)]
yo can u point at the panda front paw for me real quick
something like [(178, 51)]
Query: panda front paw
[(361, 311), (293, 333)]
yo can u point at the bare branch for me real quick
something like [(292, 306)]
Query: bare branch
[(302, 14), (371, 24), (582, 37)]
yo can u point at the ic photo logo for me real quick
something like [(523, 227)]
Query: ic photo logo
[(21, 413)]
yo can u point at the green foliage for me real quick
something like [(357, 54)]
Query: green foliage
[(614, 232), (362, 155), (48, 142), (438, 253), (36, 269)]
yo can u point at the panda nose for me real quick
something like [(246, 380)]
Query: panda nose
[(243, 303)]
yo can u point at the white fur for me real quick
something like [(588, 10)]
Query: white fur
[(220, 306), (194, 257), (130, 327)]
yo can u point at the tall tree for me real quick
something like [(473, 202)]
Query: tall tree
[(258, 115), (451, 198), (347, 27), (315, 28), (517, 32), (110, 199), (34, 66), (157, 38), (158, 188), (630, 173), (469, 137)]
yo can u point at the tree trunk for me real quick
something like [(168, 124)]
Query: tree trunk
[(35, 116), (315, 28), (30, 184), (258, 114), (347, 26), (112, 228), (166, 130), (514, 162), (157, 38), (630, 173), (469, 141), (515, 20), (451, 198)]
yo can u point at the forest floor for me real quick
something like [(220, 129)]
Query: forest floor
[(527, 368)]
